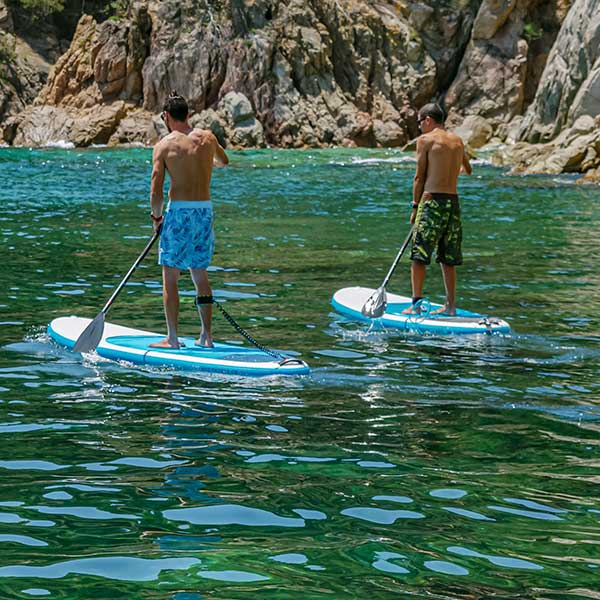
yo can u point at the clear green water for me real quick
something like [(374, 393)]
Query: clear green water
[(403, 467)]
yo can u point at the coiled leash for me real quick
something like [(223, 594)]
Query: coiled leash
[(281, 358), (421, 308)]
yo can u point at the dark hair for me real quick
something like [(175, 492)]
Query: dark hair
[(176, 106), (434, 111)]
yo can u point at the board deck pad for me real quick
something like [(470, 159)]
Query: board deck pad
[(349, 302), (133, 345)]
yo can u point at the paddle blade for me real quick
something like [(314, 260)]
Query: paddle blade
[(375, 305), (90, 336)]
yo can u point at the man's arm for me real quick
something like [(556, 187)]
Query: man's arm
[(466, 165), (221, 159), (157, 182), (420, 176)]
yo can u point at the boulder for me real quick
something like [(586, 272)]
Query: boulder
[(388, 134), (45, 125), (210, 119), (248, 134), (242, 129), (237, 108), (475, 131), (575, 150), (509, 132), (491, 17), (591, 176), (138, 127)]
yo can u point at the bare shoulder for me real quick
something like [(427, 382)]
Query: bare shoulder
[(161, 147), (455, 139), (205, 136), (424, 141)]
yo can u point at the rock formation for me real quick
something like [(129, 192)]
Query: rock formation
[(562, 121), (311, 72), (570, 84), (575, 150), (22, 70), (298, 73), (502, 64)]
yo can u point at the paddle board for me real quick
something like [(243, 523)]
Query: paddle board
[(125, 343), (349, 302)]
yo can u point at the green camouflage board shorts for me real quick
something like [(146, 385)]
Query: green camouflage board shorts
[(438, 227)]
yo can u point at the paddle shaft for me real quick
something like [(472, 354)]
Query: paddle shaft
[(398, 257), (134, 266)]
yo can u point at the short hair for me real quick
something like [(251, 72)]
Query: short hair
[(434, 111), (176, 106)]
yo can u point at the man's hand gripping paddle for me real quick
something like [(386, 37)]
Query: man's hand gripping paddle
[(92, 334), (376, 304)]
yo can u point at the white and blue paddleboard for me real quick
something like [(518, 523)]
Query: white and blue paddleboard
[(125, 343), (349, 302)]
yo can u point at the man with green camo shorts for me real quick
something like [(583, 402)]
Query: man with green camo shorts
[(435, 207)]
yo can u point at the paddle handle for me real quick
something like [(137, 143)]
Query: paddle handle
[(134, 266), (398, 257)]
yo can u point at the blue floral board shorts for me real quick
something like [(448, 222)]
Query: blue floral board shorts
[(187, 240)]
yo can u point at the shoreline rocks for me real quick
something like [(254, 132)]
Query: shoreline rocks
[(575, 150), (298, 73)]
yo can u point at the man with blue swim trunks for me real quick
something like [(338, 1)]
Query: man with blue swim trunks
[(187, 238)]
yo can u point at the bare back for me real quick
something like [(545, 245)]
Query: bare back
[(189, 161), (441, 156), (188, 156)]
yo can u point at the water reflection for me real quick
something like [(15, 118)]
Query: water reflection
[(420, 465)]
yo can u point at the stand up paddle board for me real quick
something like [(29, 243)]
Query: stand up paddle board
[(349, 302), (125, 343)]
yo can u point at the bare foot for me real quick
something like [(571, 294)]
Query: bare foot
[(412, 310), (444, 310), (204, 342), (166, 343)]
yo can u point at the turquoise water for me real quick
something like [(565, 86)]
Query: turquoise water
[(403, 466)]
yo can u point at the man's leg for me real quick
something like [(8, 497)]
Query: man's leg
[(171, 302), (204, 303), (418, 271), (449, 275)]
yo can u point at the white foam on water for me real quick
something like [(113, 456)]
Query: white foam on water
[(63, 144), (374, 161)]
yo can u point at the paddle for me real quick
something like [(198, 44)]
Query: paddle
[(375, 305), (92, 334)]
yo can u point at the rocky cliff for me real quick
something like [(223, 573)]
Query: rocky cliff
[(291, 73), (563, 120), (300, 73)]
